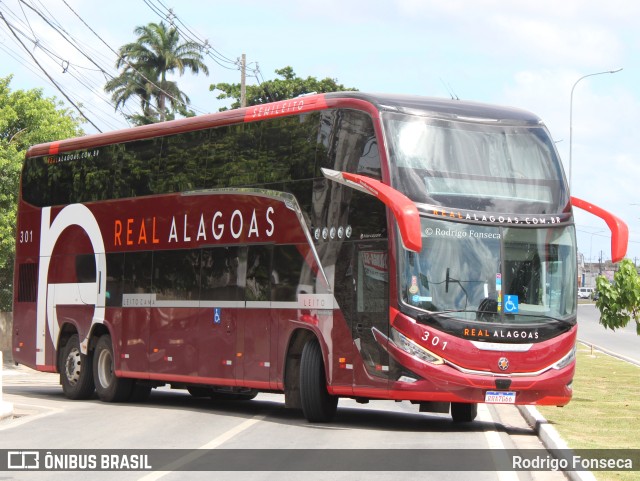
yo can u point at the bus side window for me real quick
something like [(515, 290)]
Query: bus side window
[(184, 162), (350, 142), (175, 274), (351, 146), (369, 162), (115, 278), (139, 161), (36, 188), (137, 273), (286, 273), (258, 284), (220, 278), (60, 180), (85, 268), (232, 160)]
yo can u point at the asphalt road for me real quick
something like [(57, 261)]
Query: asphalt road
[(623, 342), (175, 420), (172, 419)]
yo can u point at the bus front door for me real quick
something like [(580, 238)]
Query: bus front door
[(370, 312)]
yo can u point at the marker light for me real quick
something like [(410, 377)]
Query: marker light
[(415, 350)]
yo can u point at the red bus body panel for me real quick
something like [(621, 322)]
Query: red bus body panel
[(246, 345)]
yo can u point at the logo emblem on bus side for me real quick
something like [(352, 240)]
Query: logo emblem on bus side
[(78, 293), (503, 363)]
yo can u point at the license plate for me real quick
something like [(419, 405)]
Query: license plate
[(500, 397)]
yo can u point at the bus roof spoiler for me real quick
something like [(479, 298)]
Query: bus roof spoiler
[(618, 228), (403, 208)]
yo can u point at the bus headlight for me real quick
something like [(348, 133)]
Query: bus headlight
[(566, 360), (415, 350)]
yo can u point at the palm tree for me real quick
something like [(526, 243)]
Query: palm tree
[(146, 62), (132, 83)]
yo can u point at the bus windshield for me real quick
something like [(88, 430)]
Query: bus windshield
[(482, 166), (491, 273)]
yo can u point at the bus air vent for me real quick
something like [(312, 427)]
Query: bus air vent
[(27, 282)]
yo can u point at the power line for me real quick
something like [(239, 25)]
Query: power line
[(219, 58), (194, 37), (47, 74), (170, 16), (85, 75), (71, 70), (25, 17), (65, 36), (262, 83), (121, 58), (76, 72)]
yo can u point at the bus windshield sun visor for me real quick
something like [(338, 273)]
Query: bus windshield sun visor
[(618, 228), (403, 208)]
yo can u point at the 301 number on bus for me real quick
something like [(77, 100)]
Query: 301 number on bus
[(25, 237)]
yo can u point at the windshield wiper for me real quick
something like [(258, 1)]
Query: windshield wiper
[(541, 318), (545, 318), (426, 317)]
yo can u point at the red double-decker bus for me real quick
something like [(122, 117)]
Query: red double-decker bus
[(334, 245)]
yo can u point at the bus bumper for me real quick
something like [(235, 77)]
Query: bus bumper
[(442, 382)]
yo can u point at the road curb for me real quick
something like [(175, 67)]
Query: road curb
[(610, 353), (547, 433), (6, 408), (551, 439)]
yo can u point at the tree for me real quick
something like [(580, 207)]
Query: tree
[(619, 302), (158, 51), (26, 118), (287, 87)]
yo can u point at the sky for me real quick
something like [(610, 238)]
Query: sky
[(530, 55)]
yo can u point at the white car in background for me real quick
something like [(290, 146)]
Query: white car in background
[(585, 292)]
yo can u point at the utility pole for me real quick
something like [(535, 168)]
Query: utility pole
[(600, 264), (243, 81)]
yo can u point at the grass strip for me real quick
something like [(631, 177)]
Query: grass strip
[(605, 410)]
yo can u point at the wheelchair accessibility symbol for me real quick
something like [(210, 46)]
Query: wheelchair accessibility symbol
[(510, 304), (216, 316)]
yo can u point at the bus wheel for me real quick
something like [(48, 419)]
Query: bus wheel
[(110, 388), (463, 412), (76, 373), (318, 405)]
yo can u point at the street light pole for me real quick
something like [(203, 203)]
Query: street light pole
[(591, 243), (571, 117)]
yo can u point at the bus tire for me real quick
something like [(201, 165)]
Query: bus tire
[(76, 372), (464, 412), (318, 406), (110, 388)]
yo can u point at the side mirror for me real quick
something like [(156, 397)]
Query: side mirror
[(403, 208), (618, 228)]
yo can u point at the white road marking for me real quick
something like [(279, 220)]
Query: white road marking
[(494, 441), (201, 451), (48, 411)]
